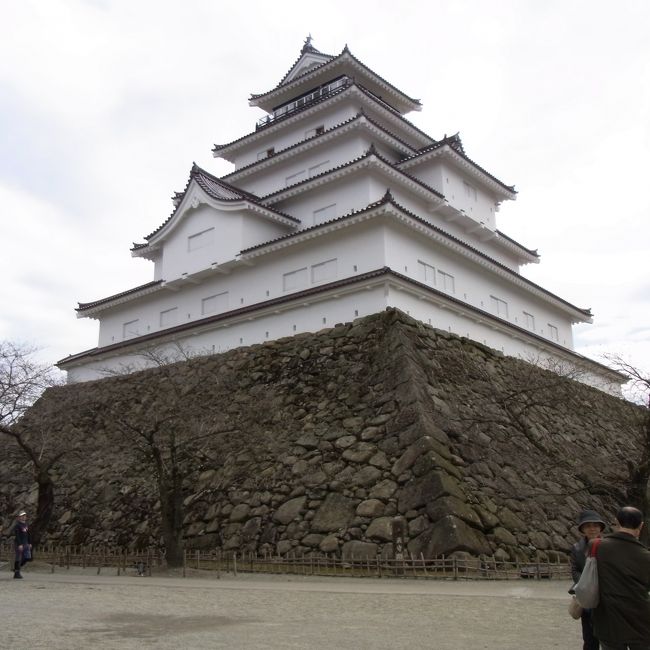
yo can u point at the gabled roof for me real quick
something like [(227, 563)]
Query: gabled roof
[(344, 63), (453, 146), (442, 235), (218, 190), (308, 58)]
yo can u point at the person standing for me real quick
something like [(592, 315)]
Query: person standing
[(590, 526), (22, 547), (622, 618)]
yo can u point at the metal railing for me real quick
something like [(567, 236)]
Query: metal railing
[(303, 101)]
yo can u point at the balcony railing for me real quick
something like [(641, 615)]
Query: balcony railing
[(303, 101)]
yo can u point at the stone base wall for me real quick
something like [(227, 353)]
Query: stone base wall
[(316, 443)]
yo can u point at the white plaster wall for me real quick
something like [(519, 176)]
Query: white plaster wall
[(333, 152), (225, 244), (357, 249), (475, 284), (237, 332), (348, 193), (362, 247), (295, 130), (271, 325), (448, 180), (231, 232)]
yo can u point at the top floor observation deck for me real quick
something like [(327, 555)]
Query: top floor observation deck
[(326, 90)]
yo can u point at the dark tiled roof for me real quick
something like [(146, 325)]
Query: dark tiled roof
[(215, 188), (319, 136), (370, 153), (218, 147), (95, 303), (344, 53), (454, 142), (388, 199), (530, 251)]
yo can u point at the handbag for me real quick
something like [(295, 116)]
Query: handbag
[(574, 608), (586, 589)]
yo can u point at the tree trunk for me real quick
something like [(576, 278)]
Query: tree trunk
[(171, 512), (44, 507)]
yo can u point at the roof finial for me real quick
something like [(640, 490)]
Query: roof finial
[(307, 45)]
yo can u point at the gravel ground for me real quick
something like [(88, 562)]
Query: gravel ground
[(77, 609)]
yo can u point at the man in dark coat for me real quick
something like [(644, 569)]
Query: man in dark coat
[(622, 618), (590, 526)]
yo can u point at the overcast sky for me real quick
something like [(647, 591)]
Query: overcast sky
[(104, 105)]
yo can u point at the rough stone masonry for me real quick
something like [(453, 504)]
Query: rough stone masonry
[(315, 443)]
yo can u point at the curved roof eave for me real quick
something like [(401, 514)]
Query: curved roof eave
[(219, 192), (580, 314), (444, 147), (360, 120), (335, 172), (88, 309), (225, 150)]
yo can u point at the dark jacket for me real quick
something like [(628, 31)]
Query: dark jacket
[(21, 533), (578, 558), (623, 613)]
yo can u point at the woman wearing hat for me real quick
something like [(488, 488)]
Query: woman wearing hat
[(22, 546), (591, 526)]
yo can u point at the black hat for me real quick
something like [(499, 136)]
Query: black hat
[(590, 517)]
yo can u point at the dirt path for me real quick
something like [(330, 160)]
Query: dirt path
[(80, 610)]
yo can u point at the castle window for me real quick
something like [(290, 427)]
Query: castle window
[(530, 321), (446, 282), (267, 153), (324, 214), (427, 273), (169, 317), (294, 280), (317, 169), (499, 307), (216, 303), (553, 333), (200, 239), (323, 271), (130, 329), (316, 131), (295, 178)]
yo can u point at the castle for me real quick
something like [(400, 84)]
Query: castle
[(338, 207)]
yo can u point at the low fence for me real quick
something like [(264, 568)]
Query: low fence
[(127, 561)]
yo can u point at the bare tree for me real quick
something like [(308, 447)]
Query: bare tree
[(638, 391), (168, 421), (22, 381)]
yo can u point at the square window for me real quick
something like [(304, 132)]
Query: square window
[(130, 329), (294, 280), (499, 307), (324, 271), (215, 304), (169, 317)]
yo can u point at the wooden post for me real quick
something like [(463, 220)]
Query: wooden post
[(234, 563)]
